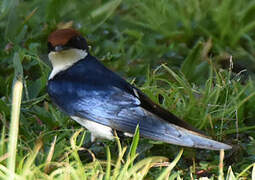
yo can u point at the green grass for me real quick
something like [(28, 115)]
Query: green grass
[(194, 58)]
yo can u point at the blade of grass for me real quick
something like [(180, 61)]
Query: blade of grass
[(3, 157), (12, 25), (4, 171), (2, 142), (108, 167), (244, 171), (145, 164), (118, 142), (75, 149), (50, 155), (123, 173), (107, 10), (15, 113), (183, 82), (31, 158), (189, 65), (230, 174), (118, 163), (6, 6), (232, 131), (168, 170), (253, 172), (221, 173), (134, 144)]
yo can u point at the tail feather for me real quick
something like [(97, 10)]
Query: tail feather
[(201, 141)]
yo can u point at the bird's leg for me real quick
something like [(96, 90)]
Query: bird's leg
[(92, 146), (93, 141), (122, 137)]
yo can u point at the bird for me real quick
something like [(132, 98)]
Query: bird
[(103, 102)]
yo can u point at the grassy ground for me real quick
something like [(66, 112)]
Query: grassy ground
[(195, 58)]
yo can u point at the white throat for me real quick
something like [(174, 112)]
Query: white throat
[(64, 59)]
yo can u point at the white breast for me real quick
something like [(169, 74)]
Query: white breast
[(97, 130), (64, 59)]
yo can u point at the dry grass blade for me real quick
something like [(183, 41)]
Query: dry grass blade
[(31, 158), (50, 155), (221, 173), (74, 138), (143, 166), (230, 174), (3, 157), (15, 113)]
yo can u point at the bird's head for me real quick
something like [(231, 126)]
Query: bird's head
[(65, 47), (65, 39)]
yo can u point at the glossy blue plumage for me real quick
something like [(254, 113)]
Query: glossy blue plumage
[(85, 84), (89, 90)]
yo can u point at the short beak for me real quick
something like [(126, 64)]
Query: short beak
[(59, 48)]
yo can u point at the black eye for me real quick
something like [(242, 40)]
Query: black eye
[(50, 47)]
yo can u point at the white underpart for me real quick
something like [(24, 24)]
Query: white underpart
[(97, 130), (64, 59), (128, 134)]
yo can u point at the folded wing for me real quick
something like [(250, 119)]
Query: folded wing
[(122, 111)]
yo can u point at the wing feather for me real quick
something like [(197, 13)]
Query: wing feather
[(122, 111)]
